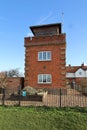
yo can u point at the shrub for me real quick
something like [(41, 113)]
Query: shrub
[(32, 91)]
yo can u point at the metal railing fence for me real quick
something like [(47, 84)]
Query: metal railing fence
[(53, 97)]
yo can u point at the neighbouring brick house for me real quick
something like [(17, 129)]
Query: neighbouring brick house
[(76, 73), (15, 82), (11, 82), (45, 57)]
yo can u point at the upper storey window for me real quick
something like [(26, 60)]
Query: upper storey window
[(44, 56)]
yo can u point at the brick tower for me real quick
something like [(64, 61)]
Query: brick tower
[(45, 57)]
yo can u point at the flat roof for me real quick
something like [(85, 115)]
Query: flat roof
[(45, 25)]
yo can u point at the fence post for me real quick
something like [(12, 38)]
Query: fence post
[(60, 98), (3, 96), (19, 93)]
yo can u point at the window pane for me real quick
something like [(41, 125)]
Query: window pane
[(49, 55), (44, 78), (80, 73), (40, 56), (48, 78), (40, 78), (44, 55)]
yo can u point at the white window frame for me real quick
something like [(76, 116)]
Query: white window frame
[(42, 53), (42, 78)]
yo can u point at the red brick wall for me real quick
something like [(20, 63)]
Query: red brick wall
[(56, 67), (15, 82), (77, 79), (45, 40)]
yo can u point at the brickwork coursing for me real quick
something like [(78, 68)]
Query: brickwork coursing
[(57, 45), (15, 82)]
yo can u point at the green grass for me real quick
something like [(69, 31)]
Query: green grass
[(43, 118)]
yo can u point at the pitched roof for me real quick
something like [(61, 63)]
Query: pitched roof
[(73, 69)]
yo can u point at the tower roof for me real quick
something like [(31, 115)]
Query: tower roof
[(47, 29)]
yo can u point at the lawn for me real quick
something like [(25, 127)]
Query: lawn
[(43, 118)]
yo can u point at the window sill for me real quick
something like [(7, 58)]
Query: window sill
[(44, 60), (45, 83)]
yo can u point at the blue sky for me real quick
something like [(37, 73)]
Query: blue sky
[(17, 15)]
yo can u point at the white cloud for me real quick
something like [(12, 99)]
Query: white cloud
[(45, 18), (52, 16)]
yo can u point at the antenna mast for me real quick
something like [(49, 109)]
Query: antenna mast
[(62, 19)]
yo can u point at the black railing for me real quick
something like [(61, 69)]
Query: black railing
[(55, 97)]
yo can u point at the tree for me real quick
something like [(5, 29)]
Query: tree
[(3, 79), (14, 73)]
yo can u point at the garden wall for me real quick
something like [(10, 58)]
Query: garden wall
[(15, 82)]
